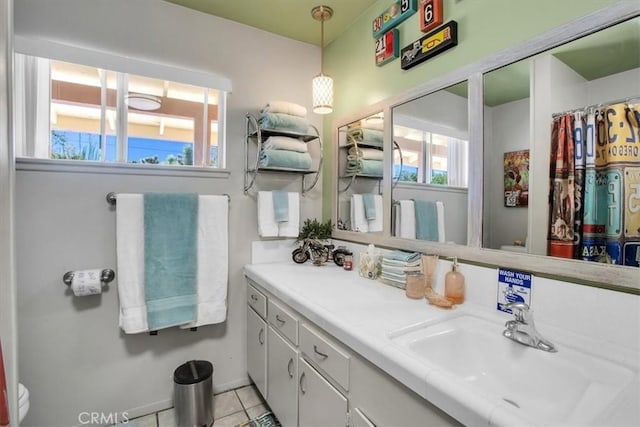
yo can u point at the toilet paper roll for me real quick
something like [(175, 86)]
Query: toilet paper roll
[(86, 282)]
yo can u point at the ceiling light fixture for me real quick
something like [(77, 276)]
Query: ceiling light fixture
[(322, 84), (141, 101)]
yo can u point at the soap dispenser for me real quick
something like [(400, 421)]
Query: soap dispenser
[(454, 284)]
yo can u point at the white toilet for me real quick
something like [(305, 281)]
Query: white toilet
[(23, 402)]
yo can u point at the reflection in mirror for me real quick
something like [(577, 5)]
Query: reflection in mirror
[(431, 167), (506, 162), (360, 171), (584, 108)]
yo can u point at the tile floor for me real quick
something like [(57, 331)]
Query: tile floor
[(229, 408)]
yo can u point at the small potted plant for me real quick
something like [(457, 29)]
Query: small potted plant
[(314, 243)]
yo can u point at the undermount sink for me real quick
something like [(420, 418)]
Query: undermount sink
[(567, 387)]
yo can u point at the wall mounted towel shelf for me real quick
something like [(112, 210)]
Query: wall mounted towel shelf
[(353, 177), (258, 135)]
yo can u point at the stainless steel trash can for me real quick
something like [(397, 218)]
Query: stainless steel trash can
[(193, 394)]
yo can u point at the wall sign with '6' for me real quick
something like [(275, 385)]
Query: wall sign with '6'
[(431, 14)]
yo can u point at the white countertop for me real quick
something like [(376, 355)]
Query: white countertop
[(361, 312)]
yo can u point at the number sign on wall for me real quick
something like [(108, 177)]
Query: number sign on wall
[(395, 14), (429, 45), (431, 14), (387, 47)]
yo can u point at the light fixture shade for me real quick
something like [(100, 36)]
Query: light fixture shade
[(141, 101), (322, 94)]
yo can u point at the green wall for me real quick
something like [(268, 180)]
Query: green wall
[(485, 27)]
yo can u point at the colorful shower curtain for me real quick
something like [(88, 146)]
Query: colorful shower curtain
[(594, 199)]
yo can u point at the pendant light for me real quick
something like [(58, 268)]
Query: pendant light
[(322, 84)]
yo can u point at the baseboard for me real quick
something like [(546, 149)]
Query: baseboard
[(164, 404)]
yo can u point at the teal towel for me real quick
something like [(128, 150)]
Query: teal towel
[(281, 206), (285, 159), (364, 167), (402, 256), (426, 220), (371, 167), (371, 137), (284, 122), (369, 206), (170, 258)]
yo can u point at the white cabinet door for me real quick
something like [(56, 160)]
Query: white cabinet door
[(282, 379), (257, 350), (319, 403)]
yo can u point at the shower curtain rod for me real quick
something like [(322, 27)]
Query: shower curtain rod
[(599, 105)]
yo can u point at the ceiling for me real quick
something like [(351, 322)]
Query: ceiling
[(289, 18)]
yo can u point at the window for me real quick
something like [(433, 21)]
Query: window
[(77, 112), (430, 158)]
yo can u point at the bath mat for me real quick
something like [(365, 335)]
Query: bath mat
[(265, 420)]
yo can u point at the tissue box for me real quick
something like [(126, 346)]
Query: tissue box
[(370, 265)]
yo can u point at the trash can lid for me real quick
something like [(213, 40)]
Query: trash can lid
[(193, 372)]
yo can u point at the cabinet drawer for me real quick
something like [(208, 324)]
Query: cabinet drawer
[(257, 300), (283, 321), (325, 354)]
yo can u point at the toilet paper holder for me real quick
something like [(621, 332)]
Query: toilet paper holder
[(106, 276)]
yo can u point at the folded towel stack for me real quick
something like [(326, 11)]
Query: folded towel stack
[(362, 159), (284, 116), (364, 136), (396, 265), (283, 151)]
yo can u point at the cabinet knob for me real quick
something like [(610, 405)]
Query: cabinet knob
[(254, 298), (281, 321), (261, 336)]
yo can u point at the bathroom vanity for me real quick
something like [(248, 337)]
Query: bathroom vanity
[(326, 347)]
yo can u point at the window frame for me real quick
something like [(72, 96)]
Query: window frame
[(124, 65)]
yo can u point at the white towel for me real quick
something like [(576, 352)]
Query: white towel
[(213, 260), (286, 108), (358, 219), (375, 224), (285, 143), (267, 225), (407, 220), (130, 261), (440, 212), (291, 227)]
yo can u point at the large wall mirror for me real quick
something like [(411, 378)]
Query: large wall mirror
[(360, 166), (578, 105), (430, 167), (551, 129)]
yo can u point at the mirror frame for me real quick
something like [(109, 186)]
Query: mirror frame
[(615, 277)]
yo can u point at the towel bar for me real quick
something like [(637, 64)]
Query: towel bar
[(107, 276), (111, 198)]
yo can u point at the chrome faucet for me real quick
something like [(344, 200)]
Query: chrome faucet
[(523, 329)]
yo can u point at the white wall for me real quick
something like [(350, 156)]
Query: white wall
[(8, 317), (506, 129), (73, 356)]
